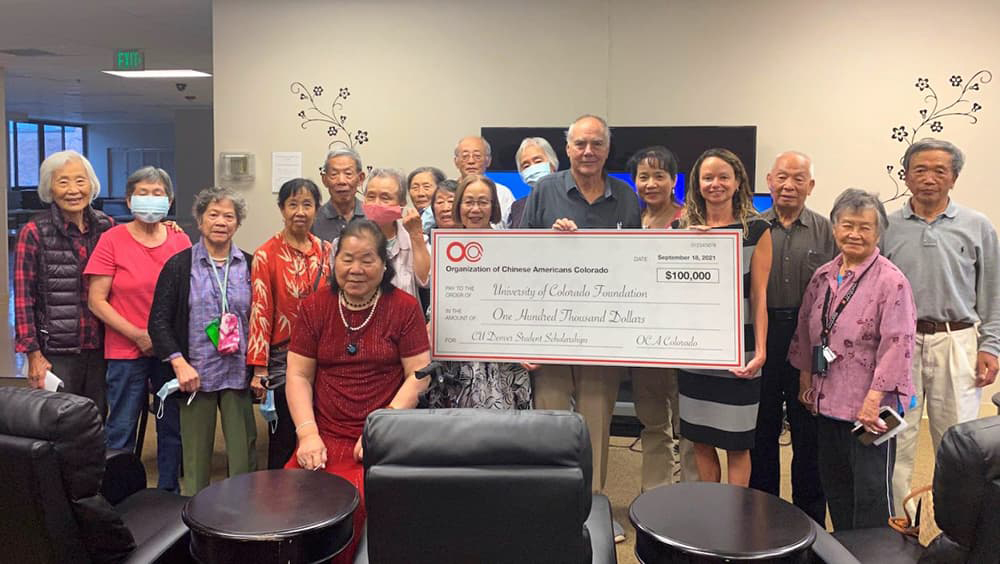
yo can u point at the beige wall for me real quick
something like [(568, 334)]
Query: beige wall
[(829, 78)]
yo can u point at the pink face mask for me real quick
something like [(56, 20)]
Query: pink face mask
[(382, 215)]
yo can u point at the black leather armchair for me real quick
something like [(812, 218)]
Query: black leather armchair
[(52, 468), (470, 485), (966, 508)]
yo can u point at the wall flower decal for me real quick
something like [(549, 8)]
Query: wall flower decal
[(331, 116), (935, 112)]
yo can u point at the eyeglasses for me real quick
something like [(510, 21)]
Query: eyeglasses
[(476, 203), (473, 157)]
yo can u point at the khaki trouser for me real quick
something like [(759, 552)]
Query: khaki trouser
[(944, 376), (654, 391), (593, 391), (198, 435)]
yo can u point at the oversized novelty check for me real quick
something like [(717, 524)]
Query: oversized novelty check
[(638, 298)]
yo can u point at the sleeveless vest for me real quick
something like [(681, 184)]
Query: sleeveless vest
[(60, 279)]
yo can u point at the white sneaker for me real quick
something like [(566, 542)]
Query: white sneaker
[(618, 531)]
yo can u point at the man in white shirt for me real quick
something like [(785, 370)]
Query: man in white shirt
[(473, 155)]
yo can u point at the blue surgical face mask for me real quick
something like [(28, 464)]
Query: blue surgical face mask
[(268, 411), (149, 209), (164, 392), (535, 172)]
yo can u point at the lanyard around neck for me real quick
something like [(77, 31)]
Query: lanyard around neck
[(829, 322), (223, 283)]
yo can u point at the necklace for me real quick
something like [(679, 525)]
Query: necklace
[(352, 346), (353, 305)]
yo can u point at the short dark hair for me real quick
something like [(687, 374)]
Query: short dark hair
[(296, 185), (456, 211), (361, 227), (656, 156)]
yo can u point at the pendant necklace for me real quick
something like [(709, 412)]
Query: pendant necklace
[(352, 346)]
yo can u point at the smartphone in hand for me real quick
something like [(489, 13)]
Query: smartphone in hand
[(893, 421)]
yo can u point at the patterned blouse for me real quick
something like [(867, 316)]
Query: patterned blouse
[(282, 276), (873, 337)]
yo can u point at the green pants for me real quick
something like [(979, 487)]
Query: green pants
[(198, 435)]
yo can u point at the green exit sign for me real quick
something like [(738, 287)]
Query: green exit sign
[(130, 59)]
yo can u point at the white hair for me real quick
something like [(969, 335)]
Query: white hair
[(486, 145), (604, 124), (801, 155), (542, 144), (395, 175), (54, 162)]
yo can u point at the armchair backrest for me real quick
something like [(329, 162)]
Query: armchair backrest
[(471, 485), (51, 466), (967, 488)]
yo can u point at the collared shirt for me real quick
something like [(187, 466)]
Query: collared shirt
[(27, 259), (506, 198), (282, 277), (329, 222), (797, 251), (873, 337), (953, 263), (218, 372), (557, 196)]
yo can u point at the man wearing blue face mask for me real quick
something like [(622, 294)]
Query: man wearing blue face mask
[(535, 158), (123, 270)]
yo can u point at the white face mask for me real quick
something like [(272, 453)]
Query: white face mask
[(535, 172), (149, 209)]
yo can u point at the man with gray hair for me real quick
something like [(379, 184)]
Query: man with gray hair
[(802, 241), (342, 174), (473, 155), (583, 197), (950, 255), (534, 158)]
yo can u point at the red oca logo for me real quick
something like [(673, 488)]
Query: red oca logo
[(456, 252)]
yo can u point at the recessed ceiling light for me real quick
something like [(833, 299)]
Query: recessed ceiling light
[(178, 73)]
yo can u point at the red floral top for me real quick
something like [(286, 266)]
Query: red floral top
[(282, 276)]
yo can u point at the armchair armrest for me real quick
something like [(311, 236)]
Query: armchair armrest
[(124, 475), (602, 538)]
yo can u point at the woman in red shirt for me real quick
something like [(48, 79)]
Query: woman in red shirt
[(354, 349), (123, 271), (287, 268)]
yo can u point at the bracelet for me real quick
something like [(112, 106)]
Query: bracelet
[(301, 425)]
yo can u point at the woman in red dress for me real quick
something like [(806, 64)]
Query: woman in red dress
[(354, 350)]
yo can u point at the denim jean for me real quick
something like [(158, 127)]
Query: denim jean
[(129, 383)]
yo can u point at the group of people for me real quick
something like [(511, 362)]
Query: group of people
[(326, 321)]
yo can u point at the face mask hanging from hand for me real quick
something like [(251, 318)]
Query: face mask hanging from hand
[(535, 172), (164, 392), (149, 209), (269, 412), (382, 215)]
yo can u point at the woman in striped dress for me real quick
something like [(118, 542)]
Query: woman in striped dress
[(719, 408)]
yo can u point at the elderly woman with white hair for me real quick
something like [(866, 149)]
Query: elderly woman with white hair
[(535, 158), (54, 327), (122, 275), (198, 324), (853, 346)]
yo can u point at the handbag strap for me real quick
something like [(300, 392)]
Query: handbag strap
[(907, 525)]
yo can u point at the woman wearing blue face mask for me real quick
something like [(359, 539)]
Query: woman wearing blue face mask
[(123, 271), (535, 158)]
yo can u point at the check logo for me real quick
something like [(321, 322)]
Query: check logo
[(471, 252)]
